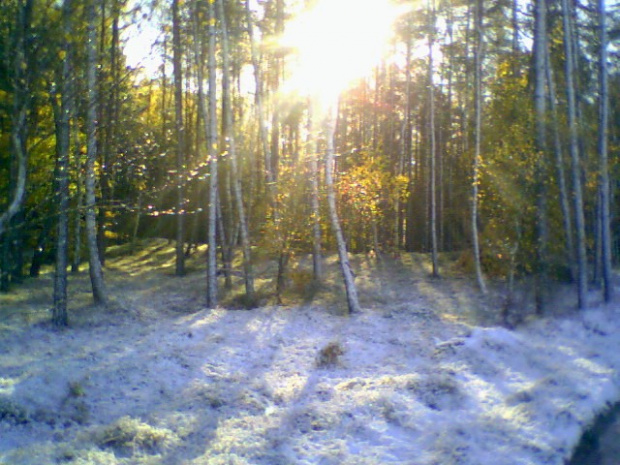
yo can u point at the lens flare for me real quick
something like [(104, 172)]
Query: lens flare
[(335, 43)]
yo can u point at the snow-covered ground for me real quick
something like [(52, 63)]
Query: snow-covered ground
[(422, 376)]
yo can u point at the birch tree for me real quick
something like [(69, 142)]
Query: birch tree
[(212, 297), (433, 139), (260, 106), (345, 266), (477, 143), (229, 137), (180, 133), (312, 153)]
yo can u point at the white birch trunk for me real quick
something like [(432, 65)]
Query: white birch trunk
[(311, 152), (477, 145), (212, 297), (180, 133), (260, 107), (433, 142), (232, 150), (345, 266)]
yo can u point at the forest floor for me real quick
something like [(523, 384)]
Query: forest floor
[(425, 374)]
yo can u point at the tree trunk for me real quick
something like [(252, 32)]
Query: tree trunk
[(225, 246), (477, 144), (407, 146), (540, 108), (260, 108), (79, 195), (180, 133), (95, 268), (433, 142), (559, 163), (603, 157), (212, 298), (345, 266), (61, 115), (21, 105), (573, 144), (229, 135), (311, 152), (136, 224)]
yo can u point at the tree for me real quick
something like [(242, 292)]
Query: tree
[(312, 153), (21, 105), (479, 9), (345, 266), (95, 269), (433, 140), (212, 297), (540, 54), (573, 146), (559, 164), (603, 128), (229, 137), (180, 133), (62, 113)]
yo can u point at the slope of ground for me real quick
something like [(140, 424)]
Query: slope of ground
[(424, 375)]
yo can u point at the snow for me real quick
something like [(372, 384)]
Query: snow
[(420, 381)]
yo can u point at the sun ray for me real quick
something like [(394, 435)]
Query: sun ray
[(335, 43)]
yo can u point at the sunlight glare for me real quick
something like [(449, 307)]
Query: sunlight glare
[(336, 42)]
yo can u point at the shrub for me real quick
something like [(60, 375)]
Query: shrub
[(329, 355)]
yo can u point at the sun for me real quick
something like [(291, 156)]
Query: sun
[(335, 43)]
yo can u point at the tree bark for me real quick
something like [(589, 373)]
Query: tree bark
[(21, 105), (212, 297), (95, 268), (229, 136), (573, 145), (311, 152), (345, 266), (180, 133), (540, 108), (62, 115), (260, 107), (477, 144), (603, 129), (559, 163), (79, 194), (433, 142)]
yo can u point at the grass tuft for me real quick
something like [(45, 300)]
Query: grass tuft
[(329, 355), (128, 436), (13, 413)]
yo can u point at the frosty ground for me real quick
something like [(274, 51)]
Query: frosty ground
[(424, 375)]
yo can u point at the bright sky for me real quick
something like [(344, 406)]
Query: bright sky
[(337, 42), (140, 37)]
